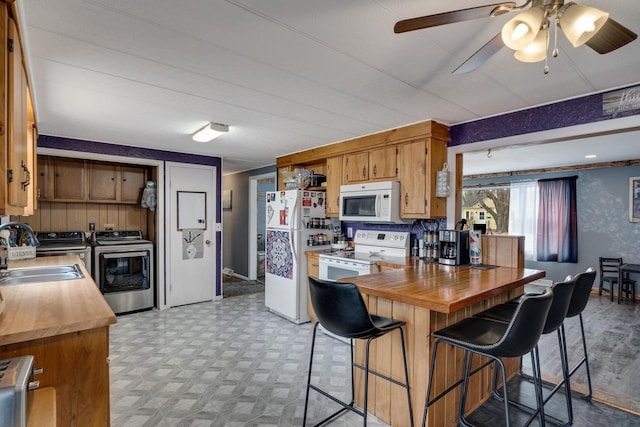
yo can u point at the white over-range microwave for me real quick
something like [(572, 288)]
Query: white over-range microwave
[(371, 202)]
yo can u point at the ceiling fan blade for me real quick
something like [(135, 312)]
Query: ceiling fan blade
[(481, 55), (451, 17), (611, 36)]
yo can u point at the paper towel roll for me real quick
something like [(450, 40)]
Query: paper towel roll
[(475, 247)]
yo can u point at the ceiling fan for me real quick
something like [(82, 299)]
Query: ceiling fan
[(528, 33)]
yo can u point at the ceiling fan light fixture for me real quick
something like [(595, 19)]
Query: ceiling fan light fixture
[(537, 50), (580, 23), (522, 30), (210, 131)]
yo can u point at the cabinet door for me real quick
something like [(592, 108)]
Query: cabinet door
[(382, 163), (133, 182), (418, 163), (17, 122), (68, 179), (45, 181), (103, 182), (356, 167), (411, 167), (334, 181)]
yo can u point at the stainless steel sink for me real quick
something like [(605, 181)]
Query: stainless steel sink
[(40, 274)]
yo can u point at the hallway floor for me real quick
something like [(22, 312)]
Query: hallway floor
[(232, 363)]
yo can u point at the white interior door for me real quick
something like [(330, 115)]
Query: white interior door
[(191, 233)]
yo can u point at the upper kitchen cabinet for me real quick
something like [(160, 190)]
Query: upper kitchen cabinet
[(371, 165), (418, 162), (383, 163), (132, 183), (110, 182), (67, 178), (356, 167), (77, 180), (17, 159), (334, 181)]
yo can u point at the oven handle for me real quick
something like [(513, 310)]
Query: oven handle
[(111, 255)]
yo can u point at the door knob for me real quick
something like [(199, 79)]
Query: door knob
[(208, 242)]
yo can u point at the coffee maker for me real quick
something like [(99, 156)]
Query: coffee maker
[(454, 247)]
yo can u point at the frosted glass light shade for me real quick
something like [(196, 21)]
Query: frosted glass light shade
[(210, 131), (536, 51), (580, 23), (522, 30)]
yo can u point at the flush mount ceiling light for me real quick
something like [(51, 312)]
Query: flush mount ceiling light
[(210, 131), (528, 32)]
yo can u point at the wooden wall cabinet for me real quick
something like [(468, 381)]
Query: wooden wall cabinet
[(356, 167), (68, 179), (383, 163), (411, 154), (334, 181), (76, 180), (371, 165), (109, 182), (418, 162), (16, 155)]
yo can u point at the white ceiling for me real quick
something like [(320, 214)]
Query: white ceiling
[(286, 75)]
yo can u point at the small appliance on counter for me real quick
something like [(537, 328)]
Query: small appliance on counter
[(15, 383), (454, 247)]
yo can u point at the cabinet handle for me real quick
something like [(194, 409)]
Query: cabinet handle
[(406, 199), (24, 184), (338, 201), (375, 170), (364, 172)]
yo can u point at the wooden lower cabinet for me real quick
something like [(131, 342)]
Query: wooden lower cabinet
[(76, 366)]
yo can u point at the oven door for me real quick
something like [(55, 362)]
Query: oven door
[(334, 269), (124, 271)]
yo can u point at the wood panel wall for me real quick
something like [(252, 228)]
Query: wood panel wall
[(61, 216), (388, 401)]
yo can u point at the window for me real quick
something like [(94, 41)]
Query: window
[(543, 211)]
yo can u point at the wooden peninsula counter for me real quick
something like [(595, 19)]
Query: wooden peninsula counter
[(65, 326), (430, 296)]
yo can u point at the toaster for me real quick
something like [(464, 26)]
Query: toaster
[(15, 374)]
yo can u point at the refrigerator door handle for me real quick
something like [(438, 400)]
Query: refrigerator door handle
[(294, 249)]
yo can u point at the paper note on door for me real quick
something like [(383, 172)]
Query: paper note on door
[(192, 244)]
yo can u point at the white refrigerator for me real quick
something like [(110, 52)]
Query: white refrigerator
[(295, 223)]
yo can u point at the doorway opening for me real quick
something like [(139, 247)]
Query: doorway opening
[(258, 187)]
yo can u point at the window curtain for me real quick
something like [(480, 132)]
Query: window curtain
[(557, 228), (523, 214)]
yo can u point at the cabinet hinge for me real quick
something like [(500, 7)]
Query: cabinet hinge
[(9, 175), (10, 45)]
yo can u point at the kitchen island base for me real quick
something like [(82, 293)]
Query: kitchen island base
[(387, 401)]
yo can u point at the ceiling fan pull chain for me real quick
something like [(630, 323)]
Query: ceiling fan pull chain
[(555, 39)]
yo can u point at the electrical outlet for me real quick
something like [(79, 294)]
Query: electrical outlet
[(109, 226)]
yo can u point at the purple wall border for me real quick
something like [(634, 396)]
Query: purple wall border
[(587, 109), (60, 143)]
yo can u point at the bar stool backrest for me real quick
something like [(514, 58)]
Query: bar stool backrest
[(562, 292), (340, 308), (581, 292), (525, 327)]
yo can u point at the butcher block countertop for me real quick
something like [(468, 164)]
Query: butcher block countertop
[(443, 288), (41, 310)]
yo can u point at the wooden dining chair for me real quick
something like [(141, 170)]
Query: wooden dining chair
[(609, 273)]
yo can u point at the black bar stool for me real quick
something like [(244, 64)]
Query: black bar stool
[(562, 293), (495, 339), (341, 310), (579, 299)]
